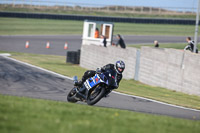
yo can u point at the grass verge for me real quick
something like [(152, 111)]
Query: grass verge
[(57, 64), (166, 45), (21, 26), (22, 115)]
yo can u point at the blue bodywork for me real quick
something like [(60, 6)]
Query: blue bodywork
[(108, 78), (95, 80)]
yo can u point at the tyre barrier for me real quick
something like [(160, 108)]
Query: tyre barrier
[(73, 57)]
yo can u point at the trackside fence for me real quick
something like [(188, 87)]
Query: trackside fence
[(98, 18), (169, 68)]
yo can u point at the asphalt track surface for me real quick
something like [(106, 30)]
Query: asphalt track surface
[(19, 79), (38, 43)]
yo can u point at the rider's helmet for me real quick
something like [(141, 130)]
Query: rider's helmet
[(120, 66)]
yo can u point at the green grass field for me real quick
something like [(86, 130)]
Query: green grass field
[(19, 26), (58, 65), (27, 115)]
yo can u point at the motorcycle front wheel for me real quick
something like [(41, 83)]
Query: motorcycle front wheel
[(95, 95), (71, 96)]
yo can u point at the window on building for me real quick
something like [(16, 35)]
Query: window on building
[(91, 30)]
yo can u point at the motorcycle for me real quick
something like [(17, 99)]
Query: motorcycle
[(94, 88)]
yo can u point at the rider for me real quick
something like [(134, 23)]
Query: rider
[(118, 67), (190, 45)]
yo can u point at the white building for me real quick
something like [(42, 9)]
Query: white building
[(92, 31)]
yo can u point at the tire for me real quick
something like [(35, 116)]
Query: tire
[(97, 98), (71, 96)]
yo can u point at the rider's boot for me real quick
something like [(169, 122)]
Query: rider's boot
[(80, 82)]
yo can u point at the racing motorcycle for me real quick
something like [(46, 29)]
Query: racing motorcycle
[(94, 88)]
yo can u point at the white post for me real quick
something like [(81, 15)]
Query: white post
[(196, 28), (31, 3), (13, 5), (22, 5)]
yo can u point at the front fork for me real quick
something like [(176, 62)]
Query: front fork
[(82, 93)]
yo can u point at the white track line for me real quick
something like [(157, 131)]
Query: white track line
[(112, 91), (38, 67), (156, 101)]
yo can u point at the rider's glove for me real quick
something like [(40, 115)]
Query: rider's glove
[(98, 70)]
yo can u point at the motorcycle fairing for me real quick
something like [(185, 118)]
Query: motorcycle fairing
[(93, 81)]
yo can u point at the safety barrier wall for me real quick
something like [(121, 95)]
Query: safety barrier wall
[(96, 56), (168, 68), (98, 18)]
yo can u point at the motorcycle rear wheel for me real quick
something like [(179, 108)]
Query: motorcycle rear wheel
[(94, 97)]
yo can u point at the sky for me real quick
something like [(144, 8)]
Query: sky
[(162, 3), (176, 4), (153, 3)]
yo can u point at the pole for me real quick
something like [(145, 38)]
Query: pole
[(196, 28)]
